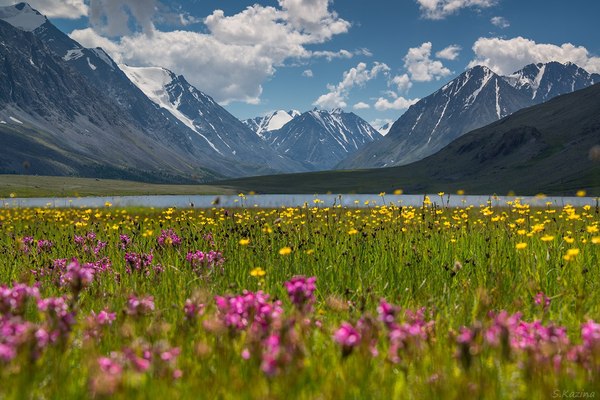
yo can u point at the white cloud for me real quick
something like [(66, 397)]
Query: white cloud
[(361, 105), (357, 76), (70, 9), (402, 82), (330, 55), (440, 9), (307, 73), (500, 22), (505, 56), (421, 67), (399, 103), (449, 53), (313, 17), (233, 58), (112, 17)]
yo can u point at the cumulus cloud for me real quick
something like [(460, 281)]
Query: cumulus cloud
[(440, 9), (505, 56), (421, 67), (500, 22), (361, 105), (449, 53), (112, 17), (399, 103), (70, 9), (232, 58), (307, 73), (356, 76), (402, 82)]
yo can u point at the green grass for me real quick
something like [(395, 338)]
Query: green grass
[(56, 186), (405, 255)]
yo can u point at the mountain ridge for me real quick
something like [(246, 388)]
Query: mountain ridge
[(319, 139), (475, 98), (549, 148)]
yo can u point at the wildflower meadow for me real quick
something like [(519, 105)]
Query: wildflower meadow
[(313, 302)]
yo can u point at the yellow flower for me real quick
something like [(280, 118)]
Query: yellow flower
[(596, 240), (108, 204), (257, 272), (581, 193), (521, 246), (147, 233), (12, 195), (569, 239), (521, 231), (441, 194), (460, 192), (547, 238), (244, 242), (398, 192), (381, 194), (592, 229), (573, 252), (284, 251), (352, 231)]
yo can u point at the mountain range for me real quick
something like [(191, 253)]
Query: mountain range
[(80, 114), (69, 110), (476, 98), (550, 148), (320, 139)]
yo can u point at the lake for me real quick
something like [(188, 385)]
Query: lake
[(290, 200)]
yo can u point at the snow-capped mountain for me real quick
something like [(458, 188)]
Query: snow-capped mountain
[(545, 81), (22, 17), (383, 128), (78, 102), (270, 122), (474, 99), (320, 139), (224, 133)]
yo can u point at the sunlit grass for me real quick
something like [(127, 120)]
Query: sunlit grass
[(461, 264)]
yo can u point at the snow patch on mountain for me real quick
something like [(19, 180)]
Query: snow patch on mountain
[(271, 122), (103, 56), (22, 16), (153, 81), (73, 54)]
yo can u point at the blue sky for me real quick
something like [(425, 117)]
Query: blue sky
[(372, 57)]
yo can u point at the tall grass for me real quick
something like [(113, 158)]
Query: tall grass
[(460, 264)]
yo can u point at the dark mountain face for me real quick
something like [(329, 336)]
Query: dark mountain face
[(58, 123), (217, 128), (86, 107), (472, 100), (475, 98), (320, 139)]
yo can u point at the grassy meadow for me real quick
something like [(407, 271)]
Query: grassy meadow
[(314, 302)]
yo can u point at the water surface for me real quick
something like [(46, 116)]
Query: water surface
[(290, 200)]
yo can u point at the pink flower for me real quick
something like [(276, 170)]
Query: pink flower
[(140, 306), (301, 292), (542, 300), (590, 334), (168, 238), (387, 313), (347, 336)]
